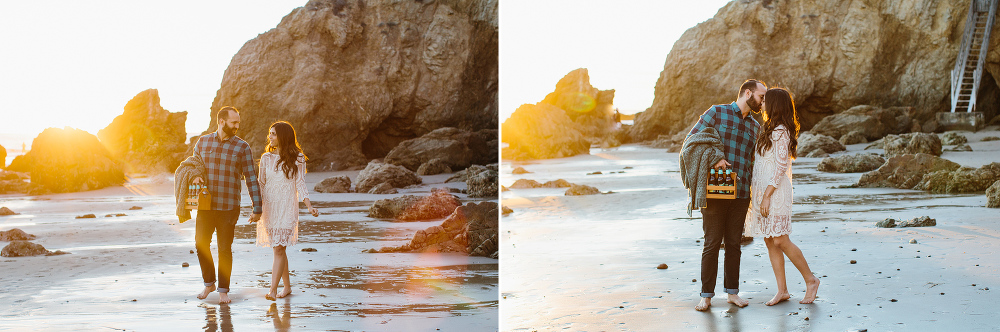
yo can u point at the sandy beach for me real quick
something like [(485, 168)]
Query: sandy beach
[(588, 263), (125, 273)]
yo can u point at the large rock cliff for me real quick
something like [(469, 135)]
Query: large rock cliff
[(831, 54), (357, 77), (146, 137)]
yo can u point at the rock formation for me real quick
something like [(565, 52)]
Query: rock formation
[(25, 248), (376, 173), (433, 167), (413, 208), (356, 77), (962, 180), (15, 234), (808, 143), (68, 160), (872, 122), (853, 137), (336, 184), (457, 148), (851, 163), (832, 55), (993, 195), (953, 138), (13, 182), (146, 137), (911, 143), (581, 189), (3, 157), (905, 171), (483, 181), (471, 229)]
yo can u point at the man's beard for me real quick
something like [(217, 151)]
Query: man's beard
[(754, 105), (230, 131)]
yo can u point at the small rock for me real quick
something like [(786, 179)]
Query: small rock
[(185, 264), (309, 249), (4, 211), (86, 216), (109, 215), (383, 188), (507, 210), (854, 249), (924, 221), (887, 223), (15, 234), (595, 173), (519, 170), (662, 266), (120, 215), (135, 208), (913, 241), (894, 300), (961, 148), (991, 138), (694, 280), (627, 167), (854, 261), (192, 251), (579, 189)]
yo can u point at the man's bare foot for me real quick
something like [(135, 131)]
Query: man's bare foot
[(812, 287), (224, 298), (204, 293), (737, 300), (285, 292), (778, 298), (704, 304)]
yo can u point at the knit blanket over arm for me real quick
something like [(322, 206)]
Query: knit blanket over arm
[(189, 169), (699, 153)]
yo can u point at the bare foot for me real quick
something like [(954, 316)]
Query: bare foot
[(778, 298), (704, 304), (271, 295), (812, 287), (285, 292), (204, 293), (224, 298), (737, 300)]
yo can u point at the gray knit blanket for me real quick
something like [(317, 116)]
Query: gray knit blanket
[(699, 153), (189, 169)]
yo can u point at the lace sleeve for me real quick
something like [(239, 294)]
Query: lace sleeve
[(780, 148), (261, 174), (300, 179)]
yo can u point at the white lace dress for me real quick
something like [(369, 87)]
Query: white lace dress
[(279, 223), (771, 168)]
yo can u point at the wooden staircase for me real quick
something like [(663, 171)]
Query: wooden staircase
[(969, 65)]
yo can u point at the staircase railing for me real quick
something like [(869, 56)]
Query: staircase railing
[(958, 74), (983, 48)]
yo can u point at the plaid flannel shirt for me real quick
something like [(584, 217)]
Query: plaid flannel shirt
[(739, 136), (225, 163)]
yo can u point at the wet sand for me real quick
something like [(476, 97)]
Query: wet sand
[(125, 273), (588, 263)]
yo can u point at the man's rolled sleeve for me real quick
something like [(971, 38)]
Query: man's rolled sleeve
[(250, 176)]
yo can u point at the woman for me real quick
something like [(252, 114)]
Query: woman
[(771, 192), (282, 186)]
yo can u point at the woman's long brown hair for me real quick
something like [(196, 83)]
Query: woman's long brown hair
[(779, 109), (290, 148)]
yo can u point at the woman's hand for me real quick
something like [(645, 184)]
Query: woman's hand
[(314, 212), (765, 206)]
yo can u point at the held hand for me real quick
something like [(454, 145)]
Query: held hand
[(197, 180), (721, 164), (765, 206), (314, 212), (254, 218)]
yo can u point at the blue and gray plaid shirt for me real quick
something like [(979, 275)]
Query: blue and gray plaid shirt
[(739, 136), (226, 162)]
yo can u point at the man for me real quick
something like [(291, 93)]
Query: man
[(227, 159), (724, 218)]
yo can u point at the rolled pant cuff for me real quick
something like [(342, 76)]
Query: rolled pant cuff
[(223, 290), (733, 291), (707, 294), (209, 284)]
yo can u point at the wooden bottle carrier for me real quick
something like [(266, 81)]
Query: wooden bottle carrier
[(198, 198), (723, 192)]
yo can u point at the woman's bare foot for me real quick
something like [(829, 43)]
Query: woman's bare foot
[(737, 300), (204, 293), (812, 287), (778, 298), (285, 292), (271, 296), (224, 298), (704, 304)]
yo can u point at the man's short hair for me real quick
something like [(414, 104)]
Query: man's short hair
[(751, 85), (224, 112)]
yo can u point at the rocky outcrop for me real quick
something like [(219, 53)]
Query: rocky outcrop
[(472, 229), (924, 221), (912, 143), (960, 148), (456, 148), (851, 163), (530, 184), (854, 137), (146, 137), (433, 167), (519, 170), (809, 142), (581, 189), (413, 208), (336, 184), (483, 181), (5, 211), (962, 180), (376, 173), (872, 122), (13, 182), (15, 234), (833, 55), (25, 248), (356, 78), (383, 188), (542, 131), (905, 171), (591, 109), (69, 160), (993, 195), (953, 138)]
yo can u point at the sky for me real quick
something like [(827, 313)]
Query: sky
[(77, 63), (623, 45)]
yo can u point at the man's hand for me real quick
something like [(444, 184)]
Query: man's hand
[(254, 218), (314, 212), (721, 164), (197, 180)]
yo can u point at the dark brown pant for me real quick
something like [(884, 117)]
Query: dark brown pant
[(224, 224), (722, 219)]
